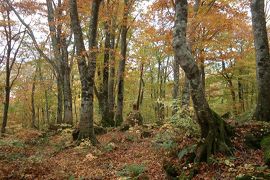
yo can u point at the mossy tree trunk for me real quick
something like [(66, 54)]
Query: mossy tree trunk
[(214, 131)]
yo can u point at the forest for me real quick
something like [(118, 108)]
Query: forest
[(134, 89)]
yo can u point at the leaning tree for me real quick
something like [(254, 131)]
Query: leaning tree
[(215, 133)]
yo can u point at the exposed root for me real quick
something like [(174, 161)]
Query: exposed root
[(217, 139)]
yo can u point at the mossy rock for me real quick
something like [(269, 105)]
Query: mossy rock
[(252, 141), (124, 127), (171, 170), (146, 133), (265, 144), (134, 118), (100, 130)]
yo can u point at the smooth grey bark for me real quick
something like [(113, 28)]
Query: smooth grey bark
[(62, 68), (214, 130), (121, 69), (262, 112), (86, 69), (57, 56)]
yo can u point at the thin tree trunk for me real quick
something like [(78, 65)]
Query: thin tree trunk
[(38, 118), (175, 93), (241, 95), (59, 117), (140, 90), (202, 72), (233, 94), (7, 90), (67, 94), (121, 68), (75, 110), (33, 122), (111, 97), (106, 121), (6, 107), (228, 78), (10, 61), (186, 95)]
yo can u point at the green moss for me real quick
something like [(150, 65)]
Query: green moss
[(265, 144), (132, 171)]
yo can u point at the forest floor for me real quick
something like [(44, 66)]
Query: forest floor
[(151, 154)]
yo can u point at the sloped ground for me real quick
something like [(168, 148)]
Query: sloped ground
[(54, 157), (35, 155)]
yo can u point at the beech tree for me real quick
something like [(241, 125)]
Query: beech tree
[(121, 69), (105, 90), (214, 131), (61, 56), (86, 66), (262, 112)]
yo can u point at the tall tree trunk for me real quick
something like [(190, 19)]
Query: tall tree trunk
[(68, 115), (241, 95), (111, 96), (106, 121), (86, 70), (47, 108), (228, 78), (121, 69), (67, 94), (59, 116), (262, 112), (57, 56), (230, 84), (140, 90), (7, 90), (61, 57), (186, 95), (6, 107), (214, 130), (10, 49), (202, 72), (175, 93), (33, 122)]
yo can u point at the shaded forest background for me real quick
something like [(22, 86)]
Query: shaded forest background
[(220, 38), (178, 88)]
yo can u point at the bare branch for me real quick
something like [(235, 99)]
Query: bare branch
[(31, 34)]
